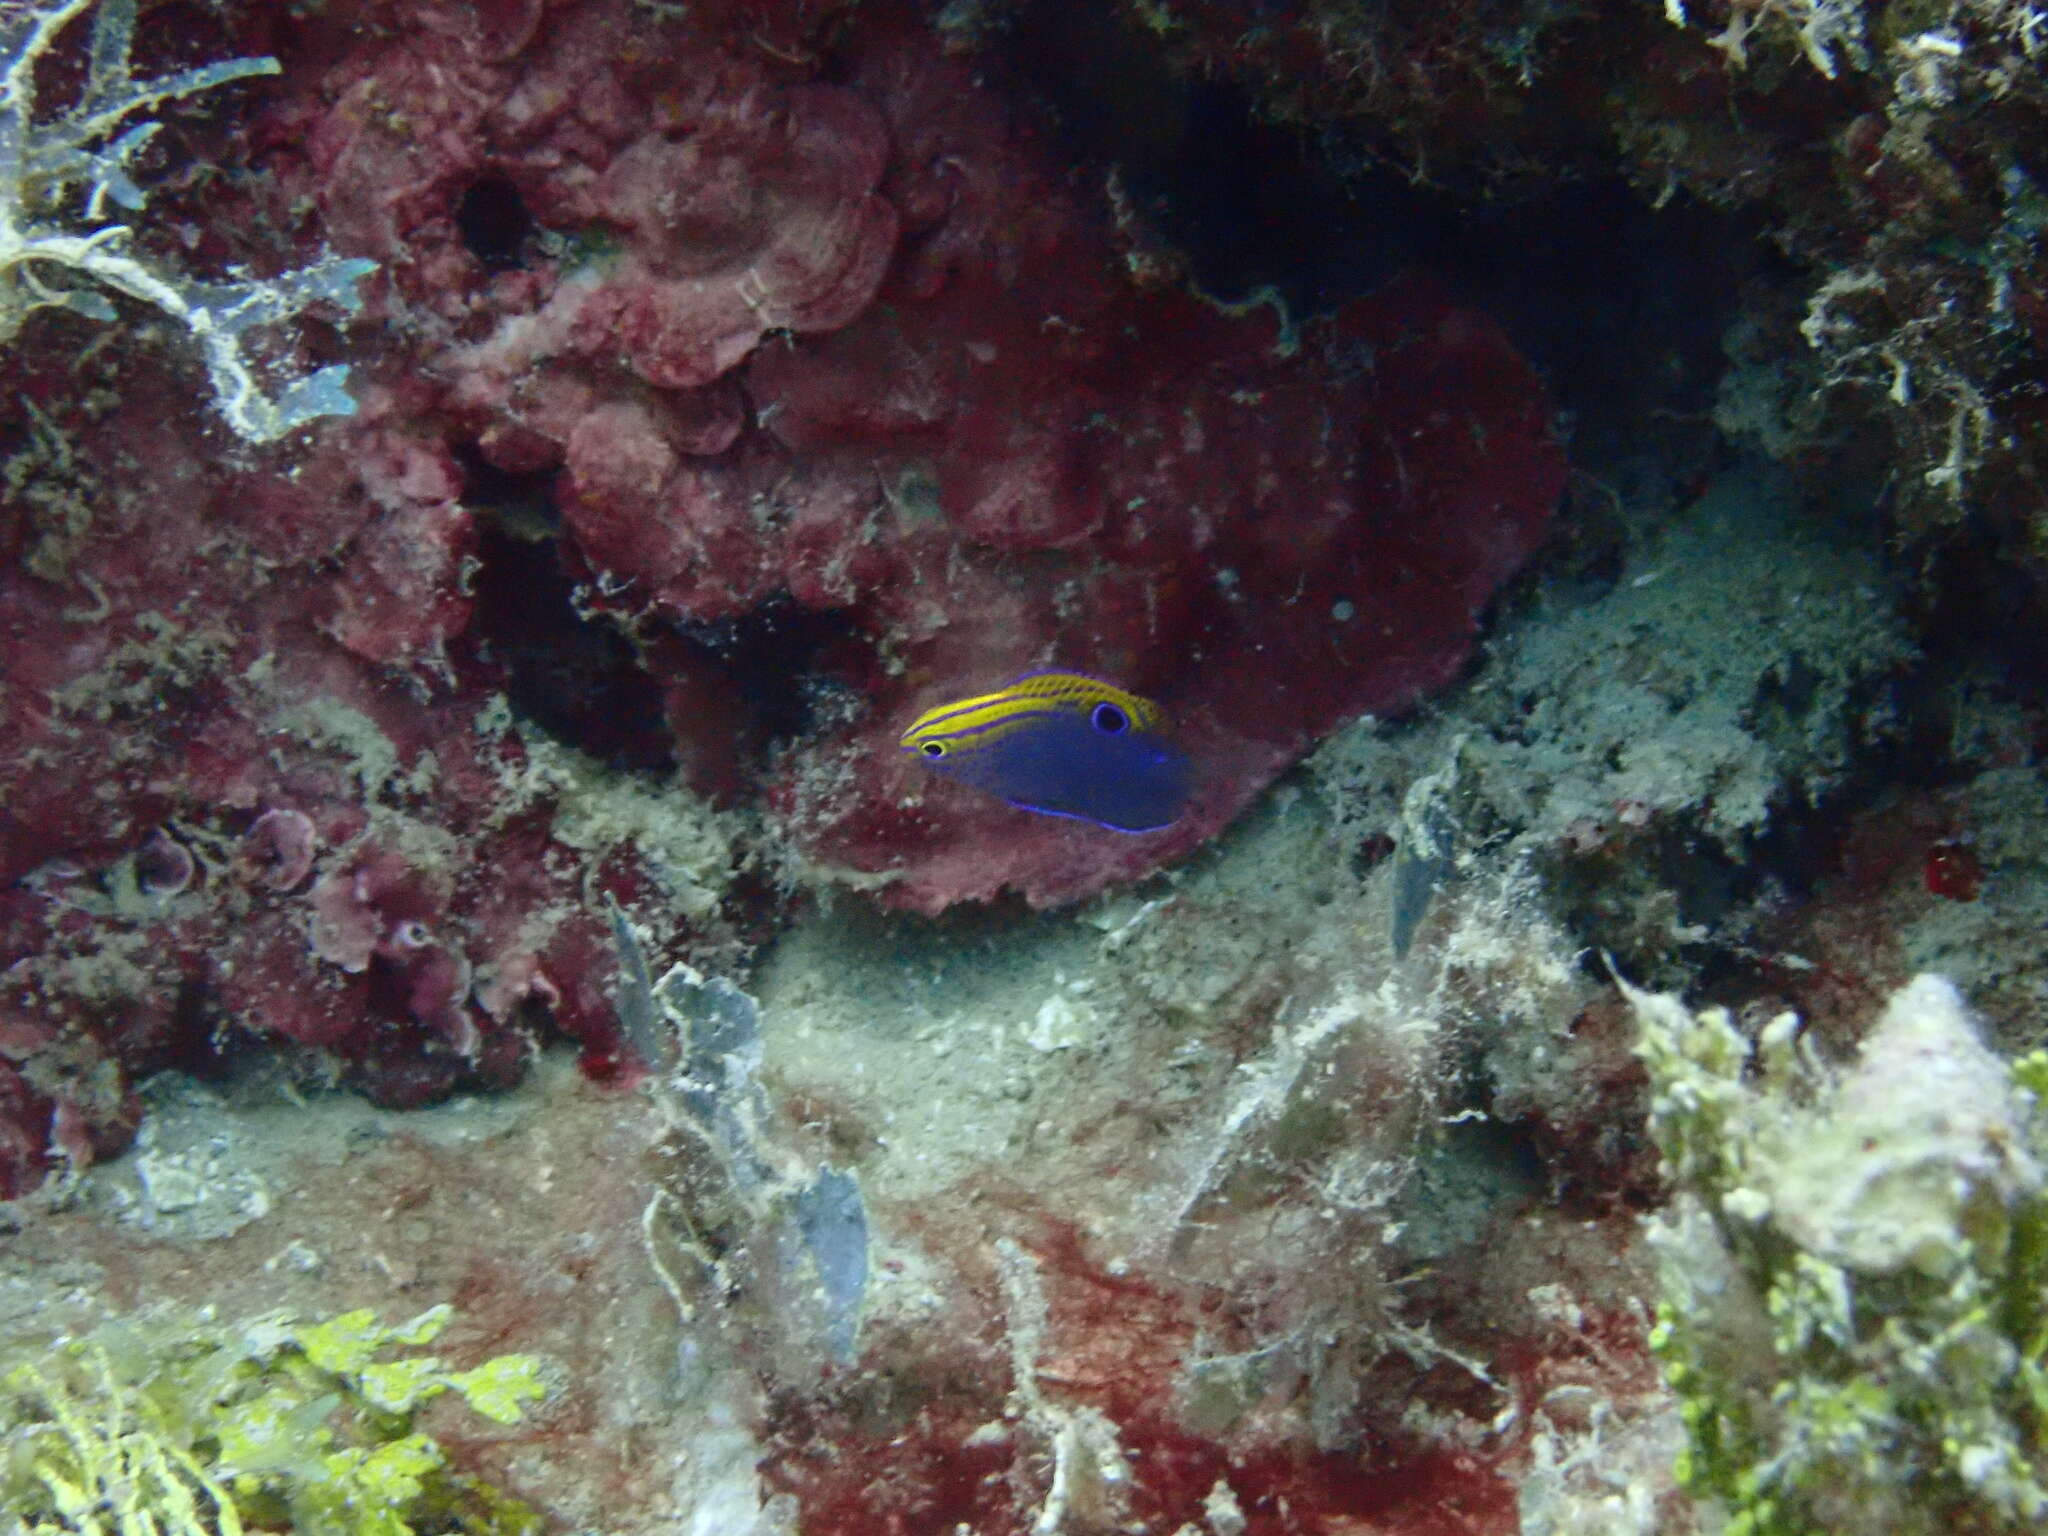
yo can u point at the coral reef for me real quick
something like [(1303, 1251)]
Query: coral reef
[(1855, 1266), (1567, 476), (717, 487), (1887, 150), (995, 452), (1928, 299), (86, 153), (1180, 1204), (1640, 744)]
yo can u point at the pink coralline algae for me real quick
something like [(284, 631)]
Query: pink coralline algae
[(781, 408), (1267, 546), (907, 377), (860, 347)]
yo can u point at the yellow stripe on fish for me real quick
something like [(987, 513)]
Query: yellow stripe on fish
[(989, 716), (1062, 744)]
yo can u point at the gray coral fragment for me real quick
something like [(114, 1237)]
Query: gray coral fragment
[(760, 1226), (57, 178), (1897, 1157), (1855, 1270)]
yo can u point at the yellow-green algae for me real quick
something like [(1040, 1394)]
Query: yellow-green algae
[(171, 1425)]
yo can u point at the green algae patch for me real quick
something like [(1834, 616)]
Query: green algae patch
[(179, 1426)]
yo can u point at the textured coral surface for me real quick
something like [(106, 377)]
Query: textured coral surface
[(973, 440), (1888, 149), (738, 380), (718, 417)]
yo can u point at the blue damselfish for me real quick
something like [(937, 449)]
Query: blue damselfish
[(1062, 744)]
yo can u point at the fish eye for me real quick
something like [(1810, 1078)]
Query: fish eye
[(933, 749), (1107, 717)]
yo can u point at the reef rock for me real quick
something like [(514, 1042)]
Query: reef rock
[(732, 386), (861, 348), (1924, 1137)]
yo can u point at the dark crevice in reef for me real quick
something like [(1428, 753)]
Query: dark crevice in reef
[(1981, 606), (522, 503), (789, 665), (1621, 304), (578, 680), (711, 698), (738, 688), (1250, 203), (496, 227)]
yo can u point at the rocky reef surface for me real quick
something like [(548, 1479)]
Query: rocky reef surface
[(484, 487)]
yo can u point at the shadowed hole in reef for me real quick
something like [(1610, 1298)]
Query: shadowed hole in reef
[(788, 669), (711, 698), (1622, 305), (578, 680), (495, 225)]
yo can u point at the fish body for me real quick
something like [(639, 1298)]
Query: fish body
[(1061, 744)]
